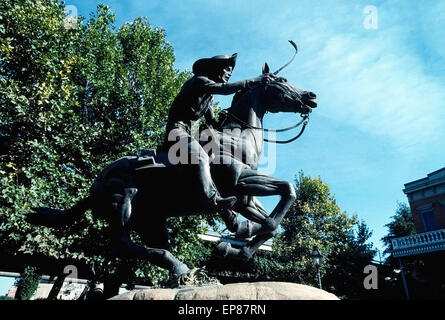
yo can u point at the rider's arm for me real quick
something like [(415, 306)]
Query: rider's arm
[(212, 87)]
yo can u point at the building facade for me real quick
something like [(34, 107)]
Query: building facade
[(426, 198), (424, 252)]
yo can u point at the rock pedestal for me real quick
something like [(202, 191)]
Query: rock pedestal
[(234, 291)]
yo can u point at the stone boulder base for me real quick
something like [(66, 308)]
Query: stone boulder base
[(234, 291)]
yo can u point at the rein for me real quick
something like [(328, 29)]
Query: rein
[(304, 121)]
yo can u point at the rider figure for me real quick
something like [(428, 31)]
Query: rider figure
[(211, 76)]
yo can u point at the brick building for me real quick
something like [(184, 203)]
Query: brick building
[(426, 198), (424, 252)]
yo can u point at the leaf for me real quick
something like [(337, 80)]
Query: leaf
[(60, 93)]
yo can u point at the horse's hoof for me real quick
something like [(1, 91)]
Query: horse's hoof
[(225, 203), (242, 254), (244, 229), (226, 251), (180, 269), (222, 249)]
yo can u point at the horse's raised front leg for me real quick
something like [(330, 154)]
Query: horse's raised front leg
[(262, 185), (253, 184)]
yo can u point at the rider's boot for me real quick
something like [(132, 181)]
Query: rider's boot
[(215, 201), (218, 202)]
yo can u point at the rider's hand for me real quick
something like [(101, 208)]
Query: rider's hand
[(268, 77), (265, 78), (262, 79)]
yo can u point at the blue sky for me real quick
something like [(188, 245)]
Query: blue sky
[(380, 91)]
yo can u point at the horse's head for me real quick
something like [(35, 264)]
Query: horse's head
[(282, 96)]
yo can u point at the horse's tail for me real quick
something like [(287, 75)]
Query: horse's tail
[(56, 218)]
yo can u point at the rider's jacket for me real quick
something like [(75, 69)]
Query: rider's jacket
[(195, 99)]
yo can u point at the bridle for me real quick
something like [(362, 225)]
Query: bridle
[(304, 121), (305, 116)]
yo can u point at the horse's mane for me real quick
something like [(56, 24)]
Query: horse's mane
[(238, 96)]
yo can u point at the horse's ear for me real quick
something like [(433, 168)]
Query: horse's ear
[(265, 68)]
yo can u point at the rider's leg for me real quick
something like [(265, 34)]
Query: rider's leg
[(201, 159), (121, 214), (191, 150), (230, 220), (214, 198)]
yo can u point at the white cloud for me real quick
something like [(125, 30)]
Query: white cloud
[(381, 81), (374, 86)]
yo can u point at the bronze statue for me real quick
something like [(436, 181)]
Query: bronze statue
[(211, 76), (139, 192)]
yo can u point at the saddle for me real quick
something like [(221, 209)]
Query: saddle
[(152, 158), (225, 143)]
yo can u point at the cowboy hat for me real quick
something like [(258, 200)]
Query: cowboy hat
[(206, 65)]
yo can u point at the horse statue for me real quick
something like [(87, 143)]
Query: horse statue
[(138, 193)]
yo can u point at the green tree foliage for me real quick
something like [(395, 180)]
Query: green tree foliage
[(402, 225), (27, 283), (316, 219), (345, 274), (74, 97), (423, 272)]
